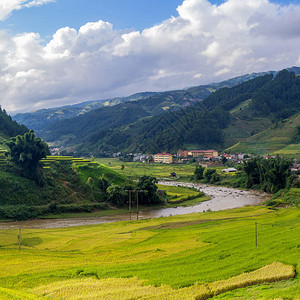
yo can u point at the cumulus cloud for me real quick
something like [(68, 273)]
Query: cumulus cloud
[(204, 43)]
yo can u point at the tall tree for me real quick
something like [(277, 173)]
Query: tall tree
[(26, 151)]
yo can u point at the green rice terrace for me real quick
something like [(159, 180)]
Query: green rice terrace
[(208, 255)]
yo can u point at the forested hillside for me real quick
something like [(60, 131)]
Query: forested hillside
[(206, 123), (283, 138), (41, 119), (8, 127), (214, 116)]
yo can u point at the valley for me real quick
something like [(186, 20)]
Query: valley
[(197, 236)]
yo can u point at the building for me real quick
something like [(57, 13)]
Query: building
[(182, 153), (229, 170), (204, 153), (164, 157), (196, 153)]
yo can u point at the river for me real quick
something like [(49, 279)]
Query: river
[(221, 198)]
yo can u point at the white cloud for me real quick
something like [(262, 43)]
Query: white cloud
[(8, 6), (205, 43)]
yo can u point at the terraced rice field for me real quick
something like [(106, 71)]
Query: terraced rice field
[(195, 256)]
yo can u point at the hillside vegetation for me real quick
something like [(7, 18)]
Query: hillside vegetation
[(201, 125), (282, 138), (40, 120), (68, 186), (173, 120), (8, 127)]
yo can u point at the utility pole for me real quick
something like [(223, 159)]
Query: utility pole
[(137, 206), (255, 234), (19, 239), (129, 204)]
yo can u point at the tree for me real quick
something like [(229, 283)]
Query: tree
[(26, 151), (117, 195), (149, 195), (208, 174), (269, 175), (103, 182), (224, 160), (198, 173)]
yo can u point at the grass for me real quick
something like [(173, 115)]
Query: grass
[(275, 140), (136, 170), (182, 195), (182, 256)]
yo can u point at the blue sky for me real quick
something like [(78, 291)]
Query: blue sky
[(123, 14), (59, 52)]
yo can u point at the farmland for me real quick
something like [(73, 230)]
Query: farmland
[(179, 257), (136, 169)]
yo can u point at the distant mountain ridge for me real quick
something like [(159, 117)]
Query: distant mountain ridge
[(41, 119), (226, 115), (215, 116)]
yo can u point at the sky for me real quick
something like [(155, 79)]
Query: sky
[(60, 52)]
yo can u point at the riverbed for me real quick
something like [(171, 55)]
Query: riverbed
[(221, 198)]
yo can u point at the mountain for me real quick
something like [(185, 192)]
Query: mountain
[(211, 116), (8, 127), (215, 122), (282, 138), (41, 119)]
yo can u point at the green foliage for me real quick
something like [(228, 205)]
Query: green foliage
[(26, 152), (117, 195), (8, 127), (198, 173), (209, 175), (95, 172), (279, 97), (103, 182), (269, 175), (285, 197), (148, 195)]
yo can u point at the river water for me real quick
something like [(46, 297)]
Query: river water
[(221, 198)]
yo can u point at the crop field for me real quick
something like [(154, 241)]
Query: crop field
[(195, 256), (182, 195), (135, 170)]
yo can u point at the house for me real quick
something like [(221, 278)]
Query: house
[(164, 157), (182, 153)]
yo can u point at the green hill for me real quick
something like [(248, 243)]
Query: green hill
[(207, 124), (70, 186), (281, 138), (224, 118), (40, 119), (69, 124), (213, 116), (8, 127)]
